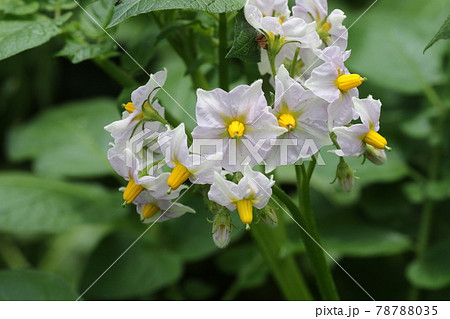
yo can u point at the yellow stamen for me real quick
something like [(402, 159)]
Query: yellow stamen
[(178, 176), (236, 129), (375, 139), (132, 191), (326, 26), (149, 210), (129, 107), (349, 81), (287, 121), (245, 210), (280, 20)]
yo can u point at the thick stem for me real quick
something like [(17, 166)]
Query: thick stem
[(11, 254), (223, 48), (426, 220), (272, 63), (284, 269), (114, 71), (311, 240)]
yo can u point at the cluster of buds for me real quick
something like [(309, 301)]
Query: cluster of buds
[(316, 104)]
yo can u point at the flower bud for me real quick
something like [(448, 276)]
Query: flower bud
[(375, 155), (150, 114), (221, 230), (344, 175), (268, 216)]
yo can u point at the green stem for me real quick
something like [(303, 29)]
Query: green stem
[(113, 70), (426, 221), (294, 62), (284, 268), (11, 254), (272, 63), (223, 48), (57, 9), (311, 240)]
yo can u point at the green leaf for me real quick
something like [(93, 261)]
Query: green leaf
[(52, 5), (394, 169), (387, 46), (33, 285), (33, 204), (131, 8), (96, 19), (79, 52), (68, 140), (350, 237), (18, 7), (442, 34), (67, 253), (18, 36), (244, 45), (142, 270), (433, 270)]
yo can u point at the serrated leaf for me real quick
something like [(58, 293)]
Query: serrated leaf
[(68, 140), (442, 34), (244, 46), (432, 271), (79, 52), (142, 270), (33, 285), (34, 204), (131, 8), (18, 36)]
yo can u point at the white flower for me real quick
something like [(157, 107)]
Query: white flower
[(352, 140), (199, 169), (273, 19), (241, 120), (331, 30), (135, 171), (253, 190), (332, 82), (123, 129), (303, 115), (158, 210)]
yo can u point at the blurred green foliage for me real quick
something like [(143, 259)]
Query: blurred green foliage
[(61, 223)]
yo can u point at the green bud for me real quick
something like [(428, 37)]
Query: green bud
[(375, 155), (268, 216), (150, 114), (344, 175), (221, 229)]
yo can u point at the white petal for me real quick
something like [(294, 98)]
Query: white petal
[(148, 91), (202, 169), (350, 139), (224, 192), (369, 111), (173, 145), (322, 82)]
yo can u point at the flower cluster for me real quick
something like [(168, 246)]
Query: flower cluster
[(315, 104)]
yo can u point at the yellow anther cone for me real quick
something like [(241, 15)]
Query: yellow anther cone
[(236, 129), (149, 210), (132, 191), (245, 210), (347, 82), (375, 139), (129, 107), (178, 176), (287, 121)]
